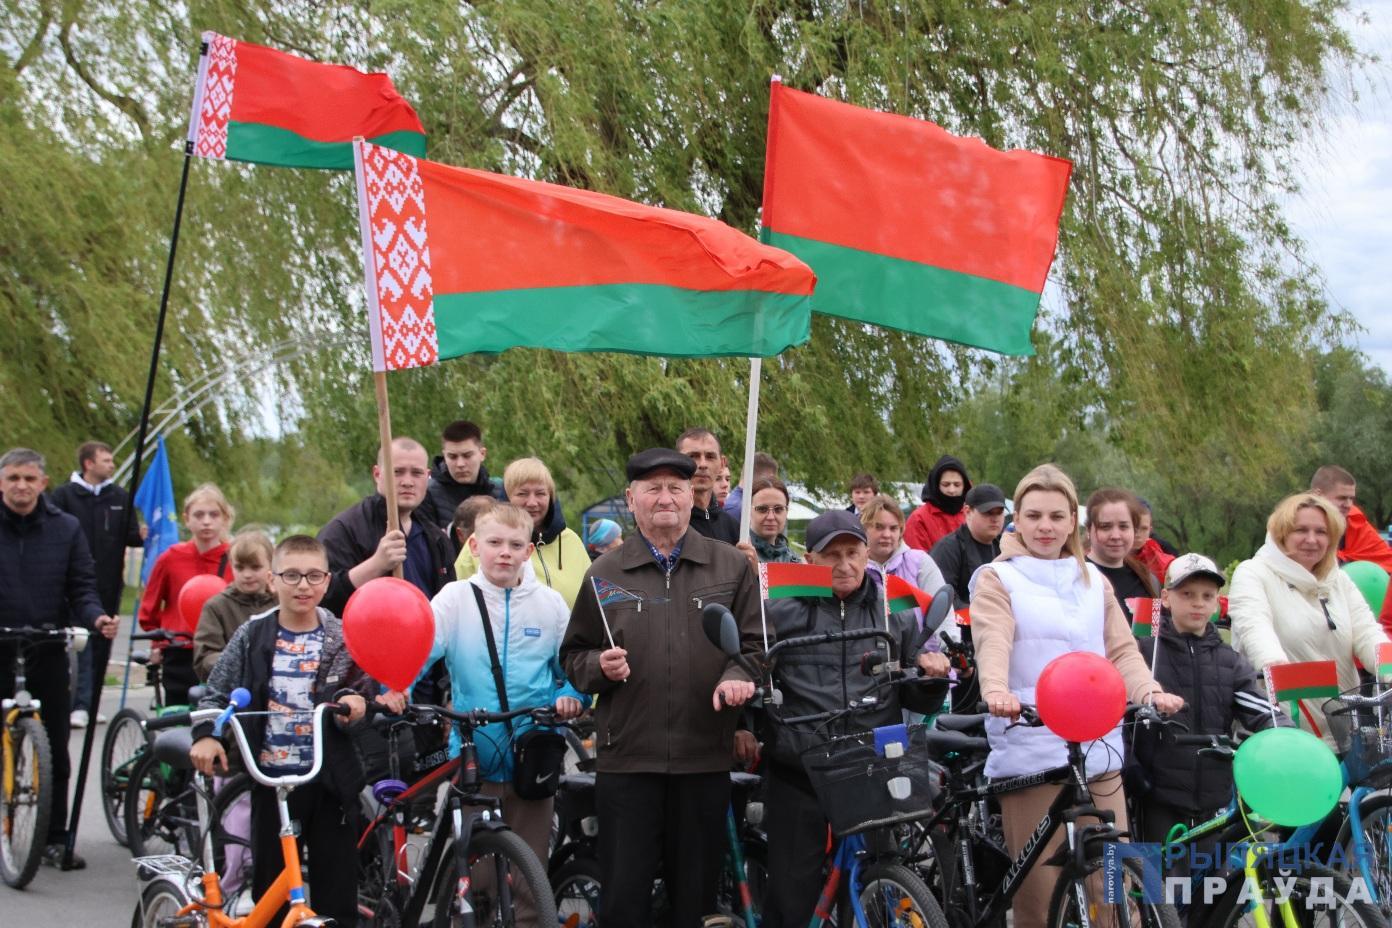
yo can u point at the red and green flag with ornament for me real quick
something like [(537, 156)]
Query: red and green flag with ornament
[(460, 261), (264, 106), (784, 581), (1299, 681), (908, 226)]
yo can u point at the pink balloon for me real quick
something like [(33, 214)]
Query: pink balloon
[(197, 591), (1080, 696), (389, 628)]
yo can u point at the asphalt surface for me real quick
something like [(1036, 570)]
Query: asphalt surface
[(104, 894)]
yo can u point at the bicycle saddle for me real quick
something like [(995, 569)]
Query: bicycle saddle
[(140, 657), (974, 724), (747, 780), (172, 747)]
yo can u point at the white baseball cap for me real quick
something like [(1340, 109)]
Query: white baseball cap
[(1187, 566)]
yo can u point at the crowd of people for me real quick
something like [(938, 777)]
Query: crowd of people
[(527, 611)]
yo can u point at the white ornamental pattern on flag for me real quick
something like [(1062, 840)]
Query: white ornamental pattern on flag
[(400, 296), (215, 94)]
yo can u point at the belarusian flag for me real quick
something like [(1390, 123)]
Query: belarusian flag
[(1145, 615), (1303, 680), (257, 104), (1384, 660), (908, 226), (462, 261), (783, 581), (904, 595)]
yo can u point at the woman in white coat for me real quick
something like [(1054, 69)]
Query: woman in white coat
[(1291, 602)]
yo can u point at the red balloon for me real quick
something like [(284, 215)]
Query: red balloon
[(389, 628), (197, 591), (1080, 696)]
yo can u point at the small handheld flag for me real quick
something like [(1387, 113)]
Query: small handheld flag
[(784, 581), (1145, 615), (1384, 660), (1300, 681), (901, 594), (608, 593)]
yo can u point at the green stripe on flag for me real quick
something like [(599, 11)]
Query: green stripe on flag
[(1141, 629), (1307, 692), (788, 592), (631, 318), (914, 297), (900, 603), (265, 144)]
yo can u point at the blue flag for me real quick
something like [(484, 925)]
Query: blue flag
[(155, 500)]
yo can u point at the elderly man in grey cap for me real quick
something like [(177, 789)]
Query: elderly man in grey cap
[(826, 678), (664, 722)]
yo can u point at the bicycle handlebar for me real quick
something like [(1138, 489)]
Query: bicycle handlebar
[(1354, 701), (161, 634), (476, 718)]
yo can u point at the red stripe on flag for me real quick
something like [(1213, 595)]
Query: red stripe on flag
[(798, 575), (1304, 675)]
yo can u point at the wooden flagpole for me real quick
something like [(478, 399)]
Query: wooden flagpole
[(384, 431)]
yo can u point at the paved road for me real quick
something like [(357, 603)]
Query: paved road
[(103, 895)]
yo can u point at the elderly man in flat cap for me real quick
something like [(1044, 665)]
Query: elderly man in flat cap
[(665, 718)]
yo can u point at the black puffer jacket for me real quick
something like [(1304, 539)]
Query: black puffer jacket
[(46, 575), (444, 494), (716, 523), (352, 536), (1219, 687), (826, 677), (102, 516)]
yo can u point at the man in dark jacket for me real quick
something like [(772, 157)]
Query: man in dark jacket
[(361, 549), (975, 542), (457, 474), (46, 580), (707, 517), (100, 506), (827, 678), (664, 744)]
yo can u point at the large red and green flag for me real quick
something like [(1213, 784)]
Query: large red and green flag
[(908, 226), (461, 261), (783, 581), (260, 105), (901, 594)]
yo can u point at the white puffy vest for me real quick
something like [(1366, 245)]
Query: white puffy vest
[(1055, 613)]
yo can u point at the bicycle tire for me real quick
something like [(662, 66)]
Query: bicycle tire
[(152, 827), (1063, 901), (1376, 813), (891, 894), (116, 764), (32, 761), (1233, 910), (161, 899), (526, 876), (575, 888)]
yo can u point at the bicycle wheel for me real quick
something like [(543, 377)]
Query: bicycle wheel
[(231, 820), (1128, 907), (162, 899), (1318, 896), (1376, 813), (575, 887), (727, 899), (161, 811), (26, 800), (124, 743), (892, 896), (497, 858)]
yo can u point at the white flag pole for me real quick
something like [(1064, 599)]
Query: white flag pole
[(751, 427)]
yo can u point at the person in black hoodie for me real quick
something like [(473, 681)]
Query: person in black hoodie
[(100, 506), (707, 517), (1169, 784), (944, 493), (457, 474)]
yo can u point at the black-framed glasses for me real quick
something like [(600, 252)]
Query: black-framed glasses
[(765, 510), (293, 577)]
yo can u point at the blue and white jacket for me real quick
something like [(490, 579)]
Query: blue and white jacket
[(529, 621)]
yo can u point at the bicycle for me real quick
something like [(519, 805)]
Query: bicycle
[(125, 743), (1360, 725), (177, 892), (865, 792), (26, 763), (468, 832), (1259, 885), (958, 841)]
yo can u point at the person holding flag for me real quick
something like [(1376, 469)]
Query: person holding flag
[(1291, 603), (663, 727), (840, 596)]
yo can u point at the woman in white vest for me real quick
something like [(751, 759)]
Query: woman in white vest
[(1291, 602), (1040, 599)]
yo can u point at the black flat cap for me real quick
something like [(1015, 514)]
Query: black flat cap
[(645, 462)]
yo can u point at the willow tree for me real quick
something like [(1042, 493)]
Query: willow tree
[(1187, 305)]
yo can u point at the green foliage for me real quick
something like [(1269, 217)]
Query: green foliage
[(1176, 365)]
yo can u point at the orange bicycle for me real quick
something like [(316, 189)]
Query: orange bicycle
[(177, 892)]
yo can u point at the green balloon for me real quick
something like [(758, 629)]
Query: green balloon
[(1371, 581), (1288, 776)]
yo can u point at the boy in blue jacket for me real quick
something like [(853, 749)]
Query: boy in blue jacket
[(528, 620)]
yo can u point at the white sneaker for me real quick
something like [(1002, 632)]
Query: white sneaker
[(78, 719), (101, 718)]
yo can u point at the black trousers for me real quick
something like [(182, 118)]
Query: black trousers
[(46, 678), (797, 849), (178, 675), (676, 821), (327, 832)]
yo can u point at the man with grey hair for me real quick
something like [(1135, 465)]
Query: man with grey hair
[(46, 580)]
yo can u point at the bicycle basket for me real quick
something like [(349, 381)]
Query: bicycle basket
[(1363, 745), (853, 782)]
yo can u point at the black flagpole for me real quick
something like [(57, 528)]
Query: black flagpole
[(89, 736)]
